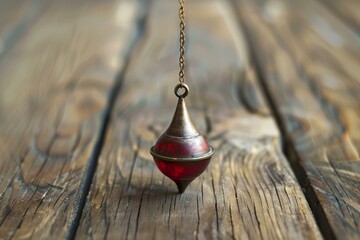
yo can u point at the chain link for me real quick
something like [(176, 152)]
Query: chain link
[(182, 41)]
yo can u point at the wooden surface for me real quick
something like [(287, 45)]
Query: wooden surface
[(309, 65), (86, 87), (15, 18), (55, 82), (346, 10), (249, 191)]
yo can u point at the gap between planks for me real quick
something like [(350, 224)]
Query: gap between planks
[(257, 206), (327, 203), (287, 147), (89, 172), (29, 217)]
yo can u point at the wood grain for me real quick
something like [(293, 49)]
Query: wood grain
[(10, 13), (347, 10), (54, 89), (248, 192), (16, 16), (309, 63)]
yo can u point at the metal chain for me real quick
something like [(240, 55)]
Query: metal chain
[(182, 42)]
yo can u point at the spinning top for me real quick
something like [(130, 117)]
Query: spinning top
[(181, 153)]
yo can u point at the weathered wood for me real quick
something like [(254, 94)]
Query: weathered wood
[(54, 88), (248, 192), (15, 17), (309, 63), (347, 10), (10, 13)]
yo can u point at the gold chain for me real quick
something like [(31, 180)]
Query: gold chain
[(182, 41)]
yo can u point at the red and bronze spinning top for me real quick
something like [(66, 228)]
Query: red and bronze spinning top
[(181, 153)]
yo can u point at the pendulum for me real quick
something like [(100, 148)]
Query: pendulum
[(181, 153)]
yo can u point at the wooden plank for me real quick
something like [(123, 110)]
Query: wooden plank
[(10, 13), (15, 18), (54, 91), (248, 192), (309, 63), (347, 10)]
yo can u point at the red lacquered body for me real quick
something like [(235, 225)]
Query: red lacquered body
[(181, 153)]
